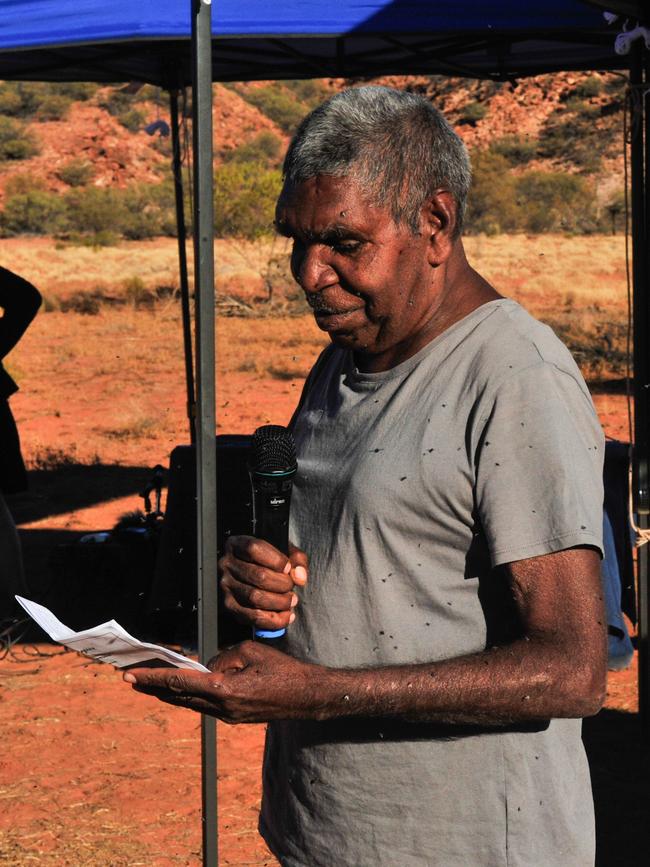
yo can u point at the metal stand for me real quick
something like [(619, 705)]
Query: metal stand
[(206, 470), (182, 264), (640, 181)]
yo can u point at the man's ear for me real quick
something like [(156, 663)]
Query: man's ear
[(439, 223)]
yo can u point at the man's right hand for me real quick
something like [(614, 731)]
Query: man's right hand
[(258, 582)]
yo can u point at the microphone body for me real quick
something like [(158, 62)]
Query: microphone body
[(272, 467)]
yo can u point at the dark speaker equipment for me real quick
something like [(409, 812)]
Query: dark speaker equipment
[(173, 598)]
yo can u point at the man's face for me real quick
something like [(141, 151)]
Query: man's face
[(368, 280)]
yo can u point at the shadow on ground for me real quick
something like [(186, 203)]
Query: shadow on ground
[(618, 758), (69, 487)]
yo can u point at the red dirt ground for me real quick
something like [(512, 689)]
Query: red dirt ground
[(94, 775)]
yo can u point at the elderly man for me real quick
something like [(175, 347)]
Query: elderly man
[(450, 633)]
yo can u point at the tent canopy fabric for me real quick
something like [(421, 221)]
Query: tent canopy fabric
[(63, 40)]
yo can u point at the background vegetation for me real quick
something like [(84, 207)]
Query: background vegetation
[(547, 183)]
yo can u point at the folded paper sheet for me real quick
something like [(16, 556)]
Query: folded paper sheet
[(107, 642)]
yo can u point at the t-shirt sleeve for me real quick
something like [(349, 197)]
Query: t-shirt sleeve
[(538, 467)]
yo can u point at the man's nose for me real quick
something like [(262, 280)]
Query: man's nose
[(311, 267)]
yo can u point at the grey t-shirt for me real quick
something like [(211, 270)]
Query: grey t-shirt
[(482, 449)]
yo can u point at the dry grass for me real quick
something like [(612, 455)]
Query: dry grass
[(547, 272), (112, 384), (60, 271)]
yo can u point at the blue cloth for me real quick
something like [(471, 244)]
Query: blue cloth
[(617, 566), (619, 644)]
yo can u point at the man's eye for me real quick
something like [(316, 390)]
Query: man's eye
[(346, 248)]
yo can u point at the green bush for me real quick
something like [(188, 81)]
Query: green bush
[(36, 211), (35, 99), (76, 173), (101, 216), (148, 211), (516, 150), (23, 183), (117, 102), (278, 104), (572, 136), (92, 210), (133, 120), (10, 99), (53, 106), (264, 148), (310, 91), (244, 199), (492, 205), (16, 143), (79, 91), (556, 201), (589, 87), (473, 112)]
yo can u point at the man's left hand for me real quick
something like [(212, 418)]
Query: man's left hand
[(248, 683)]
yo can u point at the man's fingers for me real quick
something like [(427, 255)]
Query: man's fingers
[(299, 565), (175, 681), (258, 617), (255, 597), (256, 551), (260, 577)]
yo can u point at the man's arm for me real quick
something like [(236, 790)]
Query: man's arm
[(20, 302), (557, 668)]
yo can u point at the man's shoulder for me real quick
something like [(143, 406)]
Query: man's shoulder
[(510, 342)]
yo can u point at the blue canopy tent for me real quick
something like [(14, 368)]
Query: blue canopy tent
[(175, 43), (149, 41)]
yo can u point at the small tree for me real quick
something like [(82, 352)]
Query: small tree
[(16, 143), (76, 173), (244, 199)]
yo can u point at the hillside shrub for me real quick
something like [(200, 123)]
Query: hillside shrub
[(244, 199), (517, 150), (78, 91), (35, 211), (473, 112), (264, 148), (35, 99), (556, 201), (589, 87), (117, 102), (76, 173), (278, 104), (10, 99), (133, 119), (310, 91), (492, 205), (16, 142), (23, 183), (148, 211), (121, 105), (92, 210), (572, 135), (53, 106)]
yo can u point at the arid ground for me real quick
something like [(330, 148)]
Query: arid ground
[(93, 774)]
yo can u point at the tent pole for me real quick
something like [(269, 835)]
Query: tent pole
[(641, 272), (206, 470), (182, 263)]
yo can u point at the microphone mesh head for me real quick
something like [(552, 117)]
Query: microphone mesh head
[(272, 450)]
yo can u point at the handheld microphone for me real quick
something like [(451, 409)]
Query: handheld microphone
[(271, 467)]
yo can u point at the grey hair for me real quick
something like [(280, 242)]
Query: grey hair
[(395, 144)]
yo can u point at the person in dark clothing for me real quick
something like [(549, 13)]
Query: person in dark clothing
[(19, 301)]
